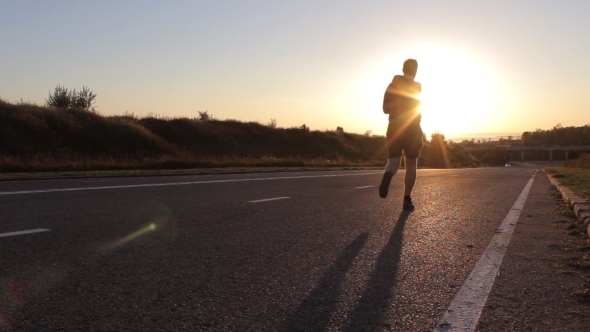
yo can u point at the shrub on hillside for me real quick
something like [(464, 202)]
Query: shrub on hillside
[(489, 159), (205, 116), (63, 98), (582, 162)]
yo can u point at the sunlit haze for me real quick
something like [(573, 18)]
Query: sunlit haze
[(485, 67)]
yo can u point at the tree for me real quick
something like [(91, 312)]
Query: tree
[(59, 99), (488, 159), (83, 99), (502, 155), (272, 123), (437, 151), (62, 98), (204, 116)]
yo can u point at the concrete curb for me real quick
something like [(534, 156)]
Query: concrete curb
[(580, 205)]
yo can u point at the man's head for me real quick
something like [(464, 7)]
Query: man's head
[(410, 67)]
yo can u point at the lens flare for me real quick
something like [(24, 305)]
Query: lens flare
[(142, 231)]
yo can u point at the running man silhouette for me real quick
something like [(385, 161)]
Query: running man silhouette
[(404, 135)]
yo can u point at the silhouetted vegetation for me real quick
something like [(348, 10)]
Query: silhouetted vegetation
[(37, 138), (498, 156), (583, 161), (557, 135), (438, 153), (63, 98)]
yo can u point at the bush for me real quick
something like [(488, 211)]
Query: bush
[(63, 98), (489, 159), (582, 162), (205, 116)]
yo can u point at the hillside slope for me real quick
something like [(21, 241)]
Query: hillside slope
[(41, 138)]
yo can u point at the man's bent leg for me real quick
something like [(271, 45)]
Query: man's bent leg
[(411, 167), (393, 165), (390, 170)]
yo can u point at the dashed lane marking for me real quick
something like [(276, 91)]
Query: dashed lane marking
[(268, 199), (465, 310), (178, 183), (363, 187), (30, 231)]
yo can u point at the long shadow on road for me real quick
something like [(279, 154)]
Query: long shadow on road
[(373, 304), (314, 312)]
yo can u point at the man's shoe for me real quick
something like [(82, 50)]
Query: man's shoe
[(408, 206), (384, 186)]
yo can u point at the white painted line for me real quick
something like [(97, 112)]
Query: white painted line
[(176, 183), (268, 199), (30, 231), (365, 187), (463, 313)]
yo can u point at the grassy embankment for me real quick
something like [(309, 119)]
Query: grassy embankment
[(41, 139), (575, 175)]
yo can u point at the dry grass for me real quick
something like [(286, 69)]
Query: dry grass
[(574, 177), (41, 139)]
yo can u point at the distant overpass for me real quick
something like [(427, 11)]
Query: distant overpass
[(562, 149)]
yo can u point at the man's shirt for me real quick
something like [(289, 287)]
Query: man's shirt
[(402, 96)]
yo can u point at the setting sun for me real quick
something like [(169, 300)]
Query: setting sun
[(458, 91)]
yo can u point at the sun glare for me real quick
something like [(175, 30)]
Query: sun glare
[(458, 89), (457, 92)]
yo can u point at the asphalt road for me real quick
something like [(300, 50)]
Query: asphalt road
[(196, 253)]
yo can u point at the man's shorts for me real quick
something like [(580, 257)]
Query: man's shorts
[(404, 138)]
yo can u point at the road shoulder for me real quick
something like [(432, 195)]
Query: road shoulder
[(544, 281)]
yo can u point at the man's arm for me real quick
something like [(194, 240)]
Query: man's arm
[(388, 100)]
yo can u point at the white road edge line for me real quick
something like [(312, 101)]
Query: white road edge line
[(364, 187), (175, 184), (268, 199), (30, 231), (465, 310)]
